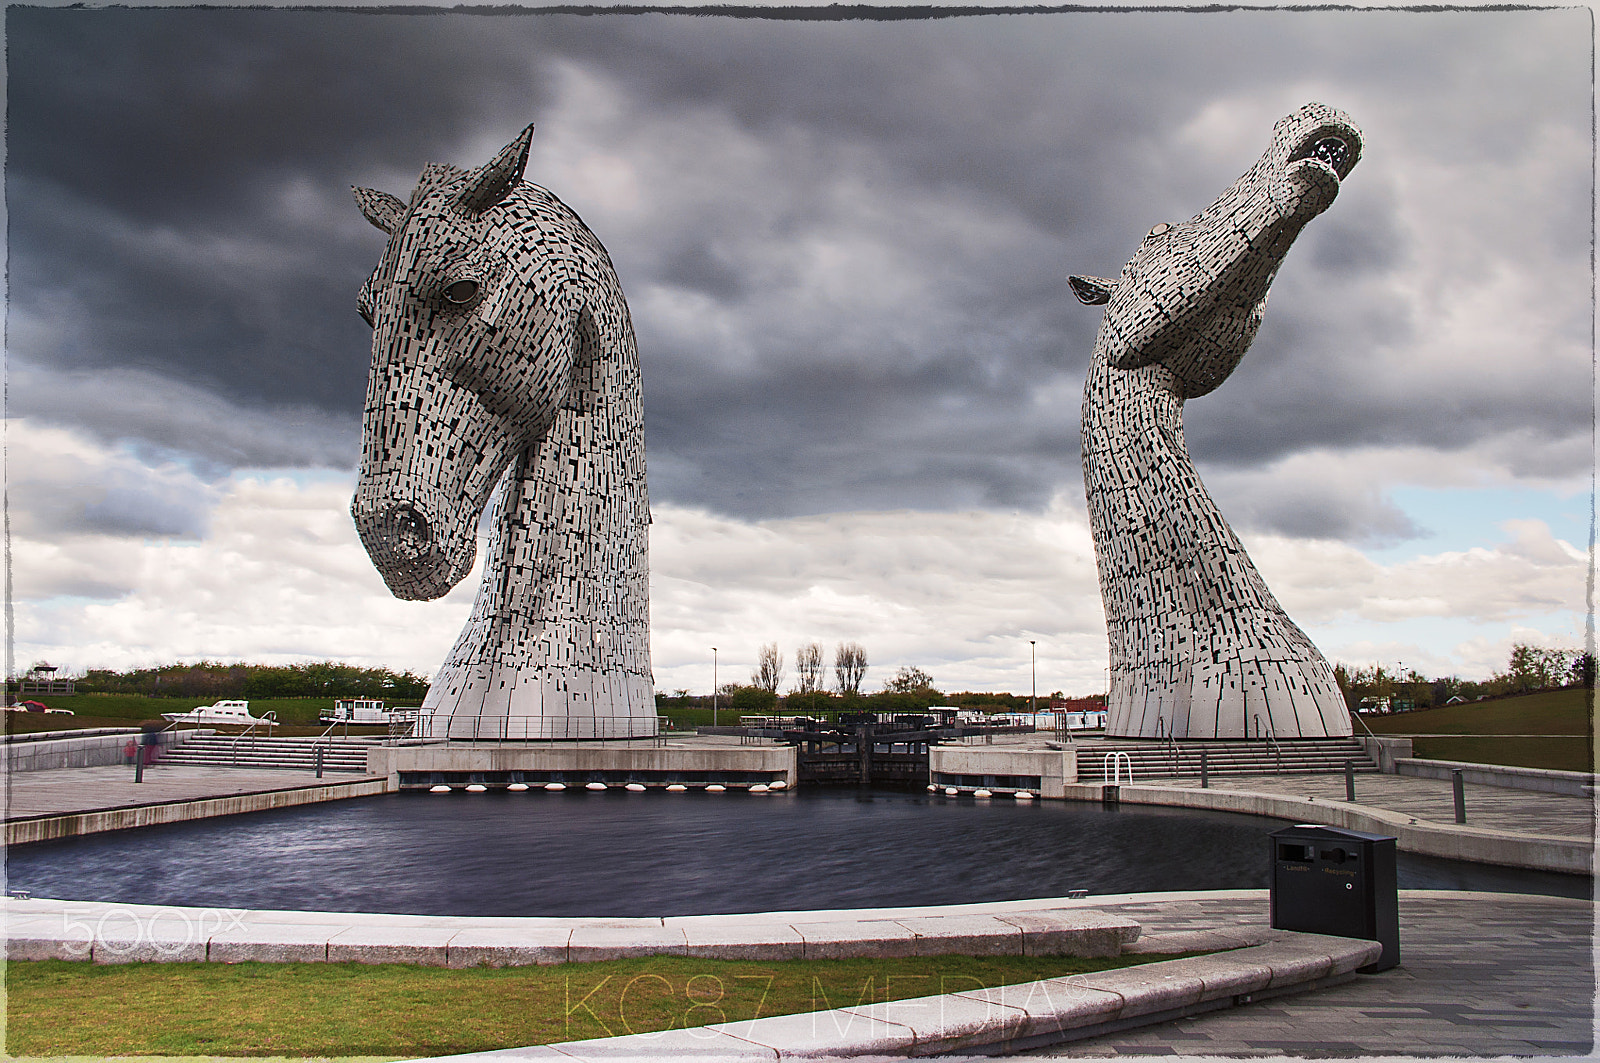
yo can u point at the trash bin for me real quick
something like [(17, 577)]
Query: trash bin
[(1328, 880)]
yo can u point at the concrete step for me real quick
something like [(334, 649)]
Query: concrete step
[(295, 754), (1156, 760)]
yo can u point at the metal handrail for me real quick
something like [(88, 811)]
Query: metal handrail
[(270, 718), (1356, 716), (331, 726), (1112, 766), (1272, 736)]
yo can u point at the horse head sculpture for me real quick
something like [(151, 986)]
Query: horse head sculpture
[(1199, 647), (503, 357)]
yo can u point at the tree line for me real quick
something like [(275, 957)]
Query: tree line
[(910, 689), (1529, 669), (214, 679)]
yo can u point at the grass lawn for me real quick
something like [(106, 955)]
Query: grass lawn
[(58, 1008), (1553, 729)]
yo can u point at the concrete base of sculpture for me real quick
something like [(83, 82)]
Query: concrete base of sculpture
[(536, 703)]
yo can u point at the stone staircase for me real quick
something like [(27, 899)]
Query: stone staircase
[(253, 751), (1155, 760)]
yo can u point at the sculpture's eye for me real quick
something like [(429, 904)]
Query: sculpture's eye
[(461, 292), (1161, 229)]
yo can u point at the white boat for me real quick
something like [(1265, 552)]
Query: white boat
[(364, 710), (223, 712)]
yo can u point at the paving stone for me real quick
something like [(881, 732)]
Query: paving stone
[(590, 943), (366, 944), (749, 941), (830, 941), (824, 1034), (508, 948), (1074, 932), (973, 935), (1053, 1005), (270, 944), (949, 1022), (700, 1045)]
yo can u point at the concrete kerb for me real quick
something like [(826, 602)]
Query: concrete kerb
[(114, 933), (1260, 963), (1004, 1019)]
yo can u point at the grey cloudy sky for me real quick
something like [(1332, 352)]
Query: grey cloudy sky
[(845, 244)]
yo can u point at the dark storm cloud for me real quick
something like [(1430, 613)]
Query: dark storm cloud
[(847, 261)]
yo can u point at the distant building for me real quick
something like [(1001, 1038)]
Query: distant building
[(42, 680)]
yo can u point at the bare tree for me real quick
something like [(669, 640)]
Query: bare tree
[(769, 669), (850, 666), (808, 668)]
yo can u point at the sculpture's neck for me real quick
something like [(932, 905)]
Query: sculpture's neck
[(566, 570), (1136, 462)]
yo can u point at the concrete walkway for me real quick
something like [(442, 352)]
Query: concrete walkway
[(1479, 975), (1493, 807), (66, 790)]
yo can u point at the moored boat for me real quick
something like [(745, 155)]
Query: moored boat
[(223, 712)]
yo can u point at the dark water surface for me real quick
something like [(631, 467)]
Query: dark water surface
[(618, 854)]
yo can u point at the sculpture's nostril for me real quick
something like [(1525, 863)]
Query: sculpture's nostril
[(1333, 151), (410, 528)]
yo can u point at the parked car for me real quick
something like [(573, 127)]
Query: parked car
[(37, 706)]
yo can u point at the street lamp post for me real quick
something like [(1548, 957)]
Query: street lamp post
[(713, 686), (1033, 658)]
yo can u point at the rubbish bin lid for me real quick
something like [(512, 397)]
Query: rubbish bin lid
[(1318, 831)]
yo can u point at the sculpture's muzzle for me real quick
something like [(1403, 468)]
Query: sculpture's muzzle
[(417, 542)]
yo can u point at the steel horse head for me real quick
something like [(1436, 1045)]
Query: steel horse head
[(1199, 647), (504, 366)]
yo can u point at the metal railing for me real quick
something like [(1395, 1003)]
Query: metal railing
[(600, 729), (1272, 737), (1168, 738), (1356, 716), (1111, 767), (270, 718)]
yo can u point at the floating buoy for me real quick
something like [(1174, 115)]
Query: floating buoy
[(982, 793), (518, 786), (635, 787), (555, 786), (951, 791), (933, 788), (1023, 795), (779, 785), (715, 788), (595, 786), (676, 788), (759, 788), (476, 788), (438, 789)]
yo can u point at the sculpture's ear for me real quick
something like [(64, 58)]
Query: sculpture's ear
[(1093, 291), (489, 185), (380, 208)]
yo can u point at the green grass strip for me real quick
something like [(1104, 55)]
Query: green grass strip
[(60, 1008)]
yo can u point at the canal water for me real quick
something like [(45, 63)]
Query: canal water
[(655, 854)]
